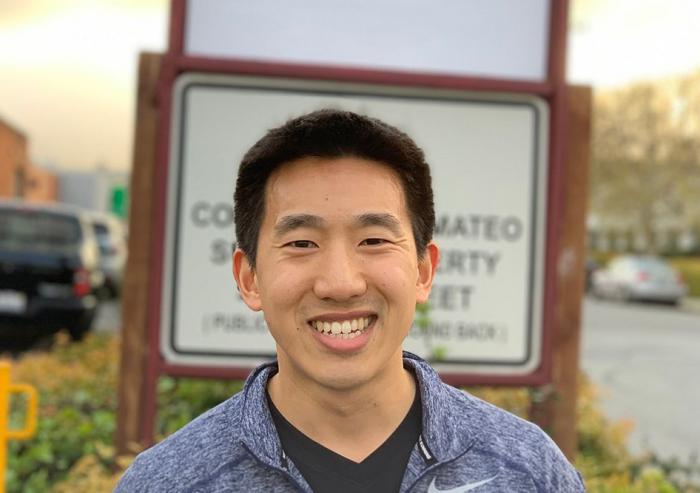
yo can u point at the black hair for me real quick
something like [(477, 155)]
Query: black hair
[(331, 133)]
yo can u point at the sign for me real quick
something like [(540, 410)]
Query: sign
[(488, 155), (499, 39), (118, 201)]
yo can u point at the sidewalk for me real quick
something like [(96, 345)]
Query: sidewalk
[(691, 304)]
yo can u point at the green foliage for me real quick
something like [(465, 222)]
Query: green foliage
[(422, 317), (181, 400), (437, 352), (77, 399), (515, 400), (682, 475), (644, 170), (602, 258), (689, 267)]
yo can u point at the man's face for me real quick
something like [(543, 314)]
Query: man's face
[(337, 274)]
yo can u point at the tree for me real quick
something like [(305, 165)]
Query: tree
[(645, 170)]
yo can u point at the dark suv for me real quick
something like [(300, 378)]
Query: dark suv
[(49, 269)]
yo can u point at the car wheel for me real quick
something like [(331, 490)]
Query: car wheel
[(624, 295), (103, 293), (114, 291), (597, 293), (81, 326)]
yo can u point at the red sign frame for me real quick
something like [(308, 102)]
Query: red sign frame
[(553, 90)]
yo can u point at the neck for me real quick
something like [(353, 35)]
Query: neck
[(352, 422)]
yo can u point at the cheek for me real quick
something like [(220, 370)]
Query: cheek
[(397, 280), (283, 289)]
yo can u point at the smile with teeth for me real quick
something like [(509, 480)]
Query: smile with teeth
[(344, 329)]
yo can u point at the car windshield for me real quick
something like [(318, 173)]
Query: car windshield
[(101, 233), (654, 267), (37, 230)]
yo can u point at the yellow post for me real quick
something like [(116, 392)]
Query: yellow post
[(6, 389)]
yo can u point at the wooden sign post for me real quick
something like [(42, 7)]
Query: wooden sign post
[(554, 406), (136, 293)]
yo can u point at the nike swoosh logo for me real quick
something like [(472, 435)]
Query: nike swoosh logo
[(459, 489)]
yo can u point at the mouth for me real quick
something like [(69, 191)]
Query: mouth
[(348, 328)]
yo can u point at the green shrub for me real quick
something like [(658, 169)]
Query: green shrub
[(602, 258), (689, 267), (77, 401), (182, 399)]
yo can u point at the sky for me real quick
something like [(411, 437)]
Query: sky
[(68, 67), (68, 75)]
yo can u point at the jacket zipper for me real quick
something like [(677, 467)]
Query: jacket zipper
[(425, 451), (431, 461)]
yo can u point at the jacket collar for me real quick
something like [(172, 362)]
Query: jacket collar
[(444, 435), (258, 430), (444, 432)]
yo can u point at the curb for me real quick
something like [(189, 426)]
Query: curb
[(691, 304)]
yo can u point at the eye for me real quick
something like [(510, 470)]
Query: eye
[(373, 241), (301, 244)]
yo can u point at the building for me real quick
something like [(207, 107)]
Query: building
[(13, 160), (18, 177)]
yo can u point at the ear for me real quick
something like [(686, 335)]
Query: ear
[(247, 280), (426, 272)]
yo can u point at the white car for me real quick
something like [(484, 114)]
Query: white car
[(639, 277), (111, 238)]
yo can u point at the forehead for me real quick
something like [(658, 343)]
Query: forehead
[(334, 186)]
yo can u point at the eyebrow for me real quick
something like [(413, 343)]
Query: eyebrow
[(296, 221), (382, 220), (292, 222)]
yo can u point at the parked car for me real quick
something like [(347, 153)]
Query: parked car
[(639, 277), (49, 269), (111, 239), (591, 267)]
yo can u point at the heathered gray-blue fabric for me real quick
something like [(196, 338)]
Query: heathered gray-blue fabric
[(471, 446)]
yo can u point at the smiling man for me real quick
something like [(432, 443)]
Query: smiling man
[(334, 220)]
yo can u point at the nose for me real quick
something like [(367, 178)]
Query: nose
[(340, 276)]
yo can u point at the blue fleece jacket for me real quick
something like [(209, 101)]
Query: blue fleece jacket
[(466, 445)]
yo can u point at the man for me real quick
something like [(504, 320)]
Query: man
[(334, 220)]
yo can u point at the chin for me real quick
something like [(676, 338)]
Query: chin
[(344, 381)]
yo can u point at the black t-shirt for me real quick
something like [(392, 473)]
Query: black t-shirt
[(326, 471)]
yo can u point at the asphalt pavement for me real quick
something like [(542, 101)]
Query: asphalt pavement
[(109, 316), (646, 360)]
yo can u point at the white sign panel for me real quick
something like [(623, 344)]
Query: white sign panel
[(505, 39), (488, 158)]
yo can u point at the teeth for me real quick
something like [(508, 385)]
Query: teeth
[(347, 329)]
